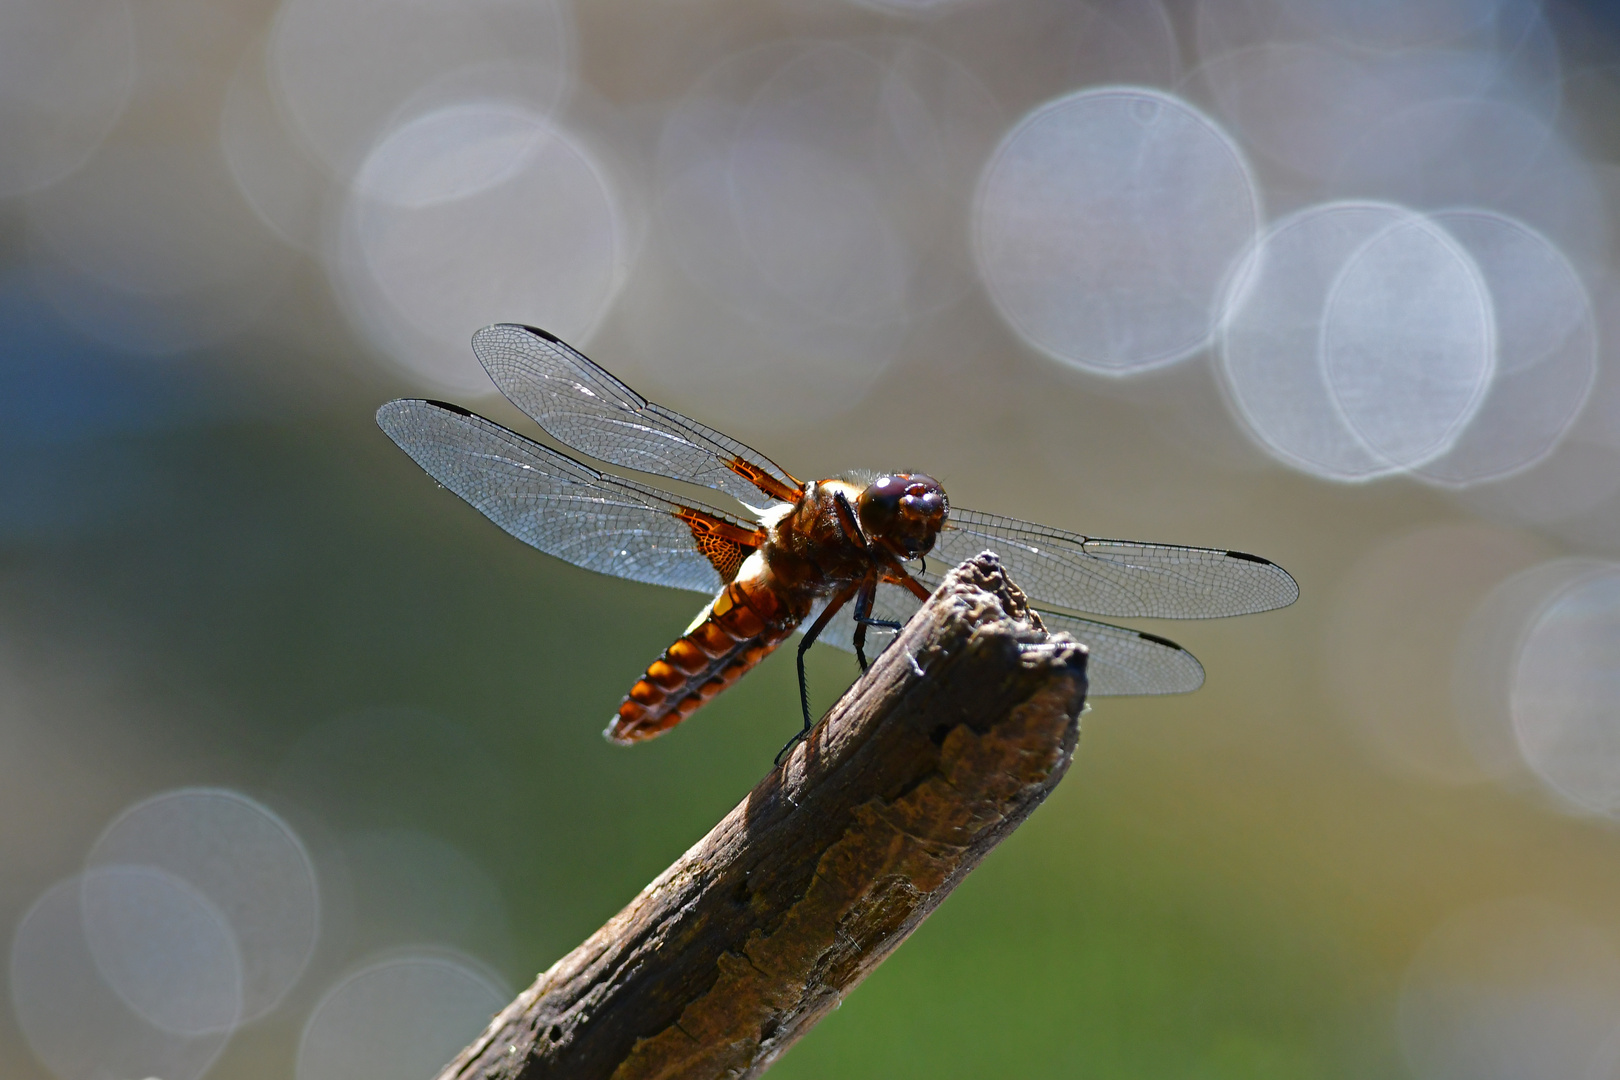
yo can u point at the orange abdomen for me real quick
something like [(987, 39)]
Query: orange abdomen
[(743, 626)]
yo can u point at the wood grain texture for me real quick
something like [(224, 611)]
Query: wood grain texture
[(961, 728)]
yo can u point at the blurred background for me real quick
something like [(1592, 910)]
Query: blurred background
[(300, 765)]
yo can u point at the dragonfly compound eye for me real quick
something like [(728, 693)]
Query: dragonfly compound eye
[(923, 501), (904, 511)]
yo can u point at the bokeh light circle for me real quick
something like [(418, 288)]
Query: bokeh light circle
[(1107, 224), (802, 188), (1309, 103), (809, 179), (281, 179), (1511, 36), (815, 230), (401, 1017), (840, 167), (1270, 347), (72, 1020), (1394, 25), (67, 69), (1566, 686), (1430, 583), (246, 861), (1509, 989), (164, 948), (1571, 490), (415, 887), (1408, 342), (1041, 49), (152, 220), (699, 228), (922, 8), (1486, 652), (477, 213), (1293, 101), (151, 247), (343, 69), (1485, 154), (1546, 350)]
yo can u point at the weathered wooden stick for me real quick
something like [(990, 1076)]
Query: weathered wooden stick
[(959, 730)]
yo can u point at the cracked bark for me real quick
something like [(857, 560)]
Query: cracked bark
[(960, 729)]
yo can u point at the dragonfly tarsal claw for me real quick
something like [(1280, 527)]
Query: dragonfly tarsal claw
[(798, 736)]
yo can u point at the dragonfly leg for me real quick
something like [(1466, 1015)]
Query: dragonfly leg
[(848, 521), (860, 628), (863, 608), (810, 636), (863, 619)]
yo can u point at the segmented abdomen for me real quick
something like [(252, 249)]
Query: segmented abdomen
[(744, 624)]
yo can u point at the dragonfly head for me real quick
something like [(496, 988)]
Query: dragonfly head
[(903, 512)]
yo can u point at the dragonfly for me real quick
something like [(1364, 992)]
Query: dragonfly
[(831, 558)]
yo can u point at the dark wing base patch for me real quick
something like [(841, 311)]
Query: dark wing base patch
[(719, 541)]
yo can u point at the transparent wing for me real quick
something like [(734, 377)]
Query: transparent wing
[(578, 403), (550, 501), (1122, 661), (1120, 578), (1125, 661)]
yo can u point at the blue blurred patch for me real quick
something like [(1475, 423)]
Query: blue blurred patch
[(72, 411), (58, 386)]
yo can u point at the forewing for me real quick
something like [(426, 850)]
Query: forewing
[(550, 501), (1122, 661), (580, 404), (1120, 578)]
